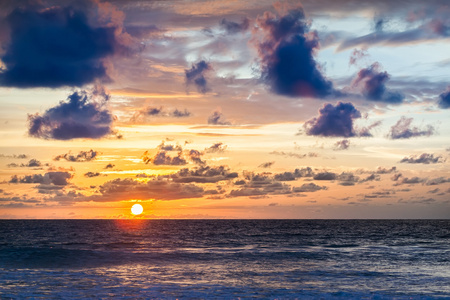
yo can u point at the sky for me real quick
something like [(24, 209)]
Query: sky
[(225, 109)]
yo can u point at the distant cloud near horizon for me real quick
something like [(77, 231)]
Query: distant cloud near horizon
[(424, 158), (82, 156)]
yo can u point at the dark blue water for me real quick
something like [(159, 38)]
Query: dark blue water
[(229, 259)]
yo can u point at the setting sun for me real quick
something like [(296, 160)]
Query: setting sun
[(137, 209)]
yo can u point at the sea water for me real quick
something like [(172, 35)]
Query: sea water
[(225, 259)]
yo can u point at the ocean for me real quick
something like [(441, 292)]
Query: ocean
[(224, 259)]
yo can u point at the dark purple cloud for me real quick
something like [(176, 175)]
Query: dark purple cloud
[(444, 99), (308, 188), (58, 46), (204, 174), (92, 174), (372, 84), (333, 121), (424, 158), (234, 27), (83, 115), (196, 76), (109, 166), (403, 130), (82, 156), (287, 56)]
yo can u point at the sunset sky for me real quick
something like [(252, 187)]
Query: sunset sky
[(225, 109)]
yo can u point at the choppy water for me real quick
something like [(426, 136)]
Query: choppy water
[(306, 259)]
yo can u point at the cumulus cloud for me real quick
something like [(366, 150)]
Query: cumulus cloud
[(286, 51), (233, 27), (109, 166), (30, 164), (371, 82), (196, 76), (333, 121), (61, 46), (383, 170), (424, 158), (403, 130), (444, 99), (56, 178), (218, 118), (82, 156), (83, 115), (162, 158)]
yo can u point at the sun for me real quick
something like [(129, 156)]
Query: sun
[(137, 209)]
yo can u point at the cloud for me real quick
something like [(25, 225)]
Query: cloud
[(20, 156), (161, 158), (444, 99), (382, 170), (203, 174), (124, 189), (216, 148), (308, 188), (295, 155), (150, 111), (83, 115), (439, 180), (109, 166), (31, 163), (196, 76), (82, 156), (325, 176), (234, 27), (402, 130), (424, 158), (286, 54), (266, 164), (195, 156), (298, 173), (371, 82), (342, 145), (333, 121), (61, 46), (56, 178), (91, 174), (365, 131), (217, 118)]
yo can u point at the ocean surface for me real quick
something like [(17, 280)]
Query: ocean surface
[(225, 259)]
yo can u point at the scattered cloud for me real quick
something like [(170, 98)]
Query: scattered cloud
[(83, 115), (56, 178), (217, 118), (333, 121), (266, 164), (308, 188), (82, 156), (216, 148), (196, 76), (325, 176), (342, 145), (371, 82), (424, 158), (403, 130), (162, 158), (91, 174)]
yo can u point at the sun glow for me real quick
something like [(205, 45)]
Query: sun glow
[(137, 209)]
